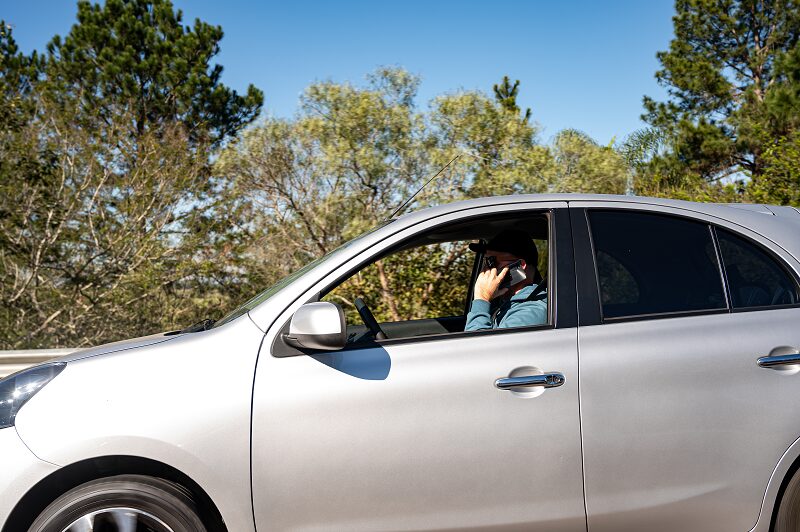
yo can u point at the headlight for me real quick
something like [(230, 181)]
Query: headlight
[(16, 389)]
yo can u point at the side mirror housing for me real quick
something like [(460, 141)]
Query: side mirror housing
[(318, 325)]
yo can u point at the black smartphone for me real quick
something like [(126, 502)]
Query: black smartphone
[(514, 275)]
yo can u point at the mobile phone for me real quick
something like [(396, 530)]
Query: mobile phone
[(514, 275)]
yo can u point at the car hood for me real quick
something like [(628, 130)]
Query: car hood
[(122, 345)]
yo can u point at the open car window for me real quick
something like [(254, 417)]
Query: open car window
[(424, 282), (425, 287)]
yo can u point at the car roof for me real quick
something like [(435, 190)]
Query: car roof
[(780, 224)]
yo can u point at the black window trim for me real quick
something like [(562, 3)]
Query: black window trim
[(721, 266), (562, 312)]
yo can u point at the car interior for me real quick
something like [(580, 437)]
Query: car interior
[(363, 328)]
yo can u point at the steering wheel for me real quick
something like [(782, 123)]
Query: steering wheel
[(369, 319)]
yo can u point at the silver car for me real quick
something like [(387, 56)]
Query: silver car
[(662, 393)]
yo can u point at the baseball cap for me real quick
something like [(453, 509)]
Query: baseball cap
[(516, 242)]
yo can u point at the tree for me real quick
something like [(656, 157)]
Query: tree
[(582, 165), (502, 153), (724, 78), (136, 55), (354, 154), (111, 222), (506, 95), (349, 159)]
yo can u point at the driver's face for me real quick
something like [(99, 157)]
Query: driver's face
[(502, 258)]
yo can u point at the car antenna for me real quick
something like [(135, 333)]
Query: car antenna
[(403, 206)]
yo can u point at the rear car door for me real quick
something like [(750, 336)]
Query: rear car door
[(681, 427)]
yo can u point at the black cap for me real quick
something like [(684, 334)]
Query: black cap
[(518, 243)]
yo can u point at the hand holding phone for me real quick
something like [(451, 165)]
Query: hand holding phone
[(515, 274)]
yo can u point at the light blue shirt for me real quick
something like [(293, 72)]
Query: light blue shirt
[(515, 311)]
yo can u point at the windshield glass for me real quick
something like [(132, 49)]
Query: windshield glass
[(275, 288)]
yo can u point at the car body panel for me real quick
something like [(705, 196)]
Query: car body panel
[(664, 415), (21, 470), (113, 347), (776, 480), (185, 403), (415, 435), (665, 402)]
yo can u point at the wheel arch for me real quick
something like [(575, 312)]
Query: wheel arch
[(785, 469), (66, 478)]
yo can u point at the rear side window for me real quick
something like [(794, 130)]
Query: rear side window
[(654, 264), (755, 279)]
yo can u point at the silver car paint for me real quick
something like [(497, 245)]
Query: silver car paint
[(427, 442), (20, 470), (416, 437), (663, 415), (113, 347), (665, 447), (185, 401)]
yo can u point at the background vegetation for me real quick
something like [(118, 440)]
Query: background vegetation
[(139, 194)]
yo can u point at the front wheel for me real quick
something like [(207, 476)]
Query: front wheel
[(124, 503)]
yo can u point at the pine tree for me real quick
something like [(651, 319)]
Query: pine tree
[(138, 56), (506, 95), (723, 76)]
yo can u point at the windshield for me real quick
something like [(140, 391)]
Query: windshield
[(275, 288)]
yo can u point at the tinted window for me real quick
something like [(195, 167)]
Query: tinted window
[(653, 264), (754, 278)]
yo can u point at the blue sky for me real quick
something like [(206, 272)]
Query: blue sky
[(581, 64)]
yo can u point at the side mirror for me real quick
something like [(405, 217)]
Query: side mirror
[(317, 326)]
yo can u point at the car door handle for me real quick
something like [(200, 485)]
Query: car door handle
[(778, 360), (548, 380)]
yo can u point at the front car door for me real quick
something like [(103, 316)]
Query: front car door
[(682, 429), (411, 433)]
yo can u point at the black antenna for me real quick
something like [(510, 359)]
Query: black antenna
[(401, 207)]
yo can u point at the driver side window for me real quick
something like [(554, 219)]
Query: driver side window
[(425, 287), (422, 283)]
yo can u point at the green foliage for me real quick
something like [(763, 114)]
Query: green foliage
[(353, 154), (347, 161), (424, 282), (506, 95), (503, 154), (780, 181), (582, 165), (111, 223), (136, 56), (114, 221), (731, 77)]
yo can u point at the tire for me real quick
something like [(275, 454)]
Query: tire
[(113, 504), (788, 516)]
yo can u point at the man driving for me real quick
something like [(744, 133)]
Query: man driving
[(522, 304)]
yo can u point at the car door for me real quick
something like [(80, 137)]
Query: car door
[(682, 428), (413, 434)]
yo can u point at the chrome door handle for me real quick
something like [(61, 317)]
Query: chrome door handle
[(778, 360), (548, 380)]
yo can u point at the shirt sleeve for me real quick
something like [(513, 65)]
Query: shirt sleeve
[(525, 314), (479, 316)]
